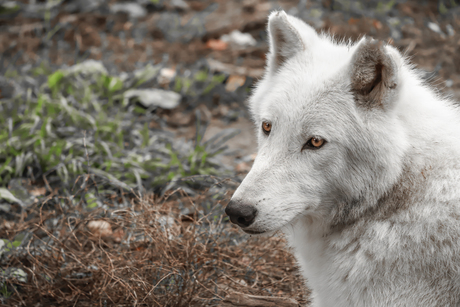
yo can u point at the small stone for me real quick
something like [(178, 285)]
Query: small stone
[(88, 67), (8, 196), (5, 207), (450, 30), (16, 273), (134, 10), (180, 5), (8, 88), (239, 38), (436, 28), (2, 247), (154, 98), (166, 75), (166, 221)]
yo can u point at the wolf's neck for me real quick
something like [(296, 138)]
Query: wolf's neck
[(432, 122), (431, 128)]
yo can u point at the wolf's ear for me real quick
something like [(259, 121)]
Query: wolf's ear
[(374, 72), (284, 38)]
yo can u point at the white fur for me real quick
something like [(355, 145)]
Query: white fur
[(399, 163)]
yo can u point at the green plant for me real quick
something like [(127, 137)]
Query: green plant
[(4, 291), (76, 123)]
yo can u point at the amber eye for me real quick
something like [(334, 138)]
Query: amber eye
[(314, 143), (266, 127), (317, 142)]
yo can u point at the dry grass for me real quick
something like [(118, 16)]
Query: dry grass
[(150, 255)]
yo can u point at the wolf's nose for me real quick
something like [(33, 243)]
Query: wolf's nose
[(241, 214)]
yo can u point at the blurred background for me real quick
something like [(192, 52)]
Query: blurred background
[(124, 130), (225, 35)]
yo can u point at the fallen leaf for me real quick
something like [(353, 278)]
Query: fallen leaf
[(216, 44), (38, 191), (377, 24), (243, 167), (8, 225), (178, 119), (100, 228), (234, 82), (118, 235), (245, 260), (353, 21)]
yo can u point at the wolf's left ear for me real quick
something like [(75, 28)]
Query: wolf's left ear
[(374, 73), (286, 38)]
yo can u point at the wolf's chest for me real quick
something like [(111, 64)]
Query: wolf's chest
[(334, 277)]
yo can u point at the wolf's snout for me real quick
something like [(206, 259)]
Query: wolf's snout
[(241, 214)]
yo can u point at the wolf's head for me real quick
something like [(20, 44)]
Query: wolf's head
[(329, 136)]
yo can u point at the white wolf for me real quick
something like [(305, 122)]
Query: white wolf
[(359, 164)]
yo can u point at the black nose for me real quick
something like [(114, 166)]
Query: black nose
[(241, 214)]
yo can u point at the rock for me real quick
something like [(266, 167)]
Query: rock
[(241, 299), (40, 10), (8, 196), (179, 5), (2, 247), (16, 273), (9, 8), (450, 30), (166, 75), (83, 6), (5, 208), (139, 76), (166, 221), (231, 69), (240, 39), (88, 67), (153, 98), (436, 28), (17, 188), (8, 88), (173, 28), (134, 10), (22, 238)]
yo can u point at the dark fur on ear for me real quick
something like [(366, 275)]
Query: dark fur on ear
[(373, 74)]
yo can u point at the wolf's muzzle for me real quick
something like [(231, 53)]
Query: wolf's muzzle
[(241, 214)]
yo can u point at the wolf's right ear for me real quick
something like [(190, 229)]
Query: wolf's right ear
[(374, 73), (285, 37)]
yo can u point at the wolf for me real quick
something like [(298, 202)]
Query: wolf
[(358, 164)]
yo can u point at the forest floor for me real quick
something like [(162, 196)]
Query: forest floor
[(125, 131)]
